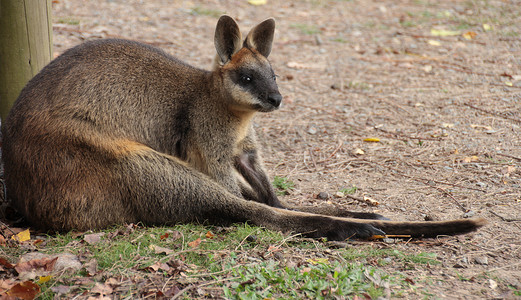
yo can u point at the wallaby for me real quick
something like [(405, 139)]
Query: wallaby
[(115, 131)]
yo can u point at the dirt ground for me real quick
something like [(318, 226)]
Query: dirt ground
[(438, 83)]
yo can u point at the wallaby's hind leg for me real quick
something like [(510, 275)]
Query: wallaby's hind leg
[(163, 190)]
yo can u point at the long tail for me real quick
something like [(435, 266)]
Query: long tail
[(429, 228)]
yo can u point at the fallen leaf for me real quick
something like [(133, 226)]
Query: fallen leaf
[(209, 235), (160, 250), (371, 201), (177, 266), (66, 261), (195, 243), (484, 127), (487, 27), (102, 289), (61, 289), (6, 284), (358, 151), (93, 238), (45, 264), (472, 158), (447, 125), (91, 267), (158, 266), (443, 32), (257, 2), (492, 284), (164, 236), (372, 140), (469, 35), (509, 83), (26, 290), (434, 43), (44, 279), (176, 235), (5, 263), (22, 236)]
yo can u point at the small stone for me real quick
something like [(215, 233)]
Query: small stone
[(458, 266), (388, 260), (323, 195), (481, 184), (336, 86), (312, 130), (389, 241), (469, 214), (339, 195), (481, 260)]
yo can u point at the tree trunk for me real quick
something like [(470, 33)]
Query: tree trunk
[(25, 45)]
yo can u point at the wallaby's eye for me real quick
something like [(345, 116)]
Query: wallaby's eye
[(275, 77), (246, 78)]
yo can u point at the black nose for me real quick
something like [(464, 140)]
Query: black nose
[(275, 99)]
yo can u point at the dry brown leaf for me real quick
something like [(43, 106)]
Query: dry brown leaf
[(195, 243), (209, 235), (102, 289), (26, 290), (6, 284), (91, 267), (45, 264), (160, 250), (158, 266), (371, 201), (469, 159), (93, 238)]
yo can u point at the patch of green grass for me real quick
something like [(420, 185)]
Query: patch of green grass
[(357, 85), (408, 23), (239, 262), (68, 21), (201, 11), (313, 281), (349, 191), (339, 40), (282, 185), (307, 29)]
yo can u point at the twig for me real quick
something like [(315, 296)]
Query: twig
[(450, 195), (510, 156), (505, 219), (493, 113), (425, 180), (312, 159), (356, 198), (201, 285), (406, 137)]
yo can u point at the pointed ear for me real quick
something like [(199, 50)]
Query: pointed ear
[(227, 38), (261, 37)]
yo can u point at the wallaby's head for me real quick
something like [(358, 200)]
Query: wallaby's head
[(247, 75)]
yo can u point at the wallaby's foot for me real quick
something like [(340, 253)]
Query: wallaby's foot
[(340, 230)]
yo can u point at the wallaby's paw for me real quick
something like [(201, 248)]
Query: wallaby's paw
[(339, 230), (353, 230)]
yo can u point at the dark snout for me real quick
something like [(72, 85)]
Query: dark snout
[(275, 99)]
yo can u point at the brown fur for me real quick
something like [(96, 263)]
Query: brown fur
[(115, 131)]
